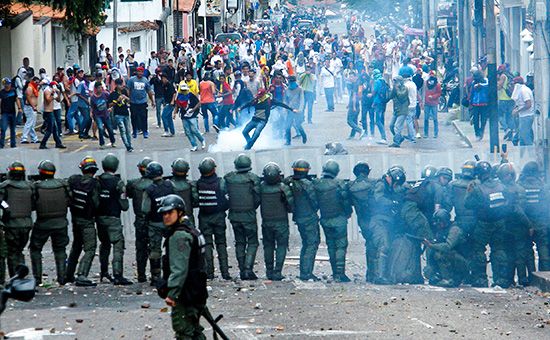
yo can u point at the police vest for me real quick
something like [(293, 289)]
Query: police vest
[(138, 188), (51, 202), (302, 202), (194, 291), (109, 196), (361, 194), (423, 193), (330, 201), (184, 191), (534, 201), (273, 207), (19, 201), (211, 199), (495, 203), (241, 196), (157, 191), (465, 218), (82, 188)]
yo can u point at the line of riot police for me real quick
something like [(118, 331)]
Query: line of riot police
[(398, 220)]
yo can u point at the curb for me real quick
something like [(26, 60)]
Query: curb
[(462, 134)]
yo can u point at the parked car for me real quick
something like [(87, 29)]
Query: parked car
[(223, 37)]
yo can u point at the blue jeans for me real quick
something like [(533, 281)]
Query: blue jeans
[(352, 122), (191, 127), (159, 102), (102, 123), (367, 107), (167, 120), (379, 112), (398, 128), (254, 124), (51, 129), (138, 115), (329, 95), (81, 113), (411, 116), (505, 108), (296, 120), (204, 111), (309, 99), (226, 117), (123, 123), (7, 120), (28, 129), (526, 130), (430, 112), (480, 116), (57, 119)]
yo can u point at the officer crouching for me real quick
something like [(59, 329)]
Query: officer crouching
[(184, 270)]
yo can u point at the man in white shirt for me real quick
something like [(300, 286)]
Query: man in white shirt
[(337, 65), (525, 110), (413, 100), (327, 80)]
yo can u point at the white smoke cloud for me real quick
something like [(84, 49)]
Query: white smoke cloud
[(233, 140)]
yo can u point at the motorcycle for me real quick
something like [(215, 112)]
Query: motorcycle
[(449, 95)]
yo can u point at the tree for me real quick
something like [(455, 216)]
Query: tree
[(80, 15)]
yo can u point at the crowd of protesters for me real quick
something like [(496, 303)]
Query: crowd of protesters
[(259, 75)]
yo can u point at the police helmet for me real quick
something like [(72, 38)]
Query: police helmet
[(154, 170), (46, 168), (531, 169), (445, 172), (110, 163), (142, 165), (441, 216), (429, 171), (207, 166), (468, 169), (243, 163), (301, 166), (170, 203), (483, 170), (180, 167), (506, 173), (397, 175), (361, 168), (331, 168), (88, 164), (272, 173), (16, 169)]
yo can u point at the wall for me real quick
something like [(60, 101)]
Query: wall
[(22, 45), (5, 53), (43, 48), (135, 11), (66, 48), (148, 42)]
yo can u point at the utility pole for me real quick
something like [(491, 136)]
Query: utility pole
[(115, 29), (491, 48), (462, 62)]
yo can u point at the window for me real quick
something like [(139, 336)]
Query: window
[(135, 44)]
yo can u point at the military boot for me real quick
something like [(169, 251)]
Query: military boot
[(36, 263), (121, 281), (69, 271), (381, 272), (279, 263), (155, 265), (60, 269), (2, 271), (141, 265), (249, 266), (83, 281), (222, 259), (341, 274)]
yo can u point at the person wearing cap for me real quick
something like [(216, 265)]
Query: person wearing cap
[(49, 119), (30, 70), (118, 102), (139, 88), (169, 93), (19, 83), (156, 82), (30, 107), (524, 112), (10, 104), (153, 63), (80, 105), (432, 94), (187, 105), (505, 86), (479, 100)]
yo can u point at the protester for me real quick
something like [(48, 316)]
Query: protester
[(187, 106), (49, 118), (431, 101), (524, 110), (100, 110), (10, 105), (139, 88), (119, 100)]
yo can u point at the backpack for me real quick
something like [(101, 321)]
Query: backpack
[(384, 93)]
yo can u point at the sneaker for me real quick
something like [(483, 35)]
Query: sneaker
[(215, 127), (101, 147), (418, 135), (134, 135), (60, 146), (146, 135), (363, 134), (203, 144), (193, 149), (393, 145), (24, 142), (42, 147), (166, 134), (383, 142), (130, 149), (113, 145), (35, 141)]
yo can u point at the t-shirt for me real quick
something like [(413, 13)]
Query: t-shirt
[(205, 89), (168, 91), (8, 101), (139, 87), (99, 104), (521, 94), (185, 102), (120, 107), (157, 86), (83, 91), (227, 99)]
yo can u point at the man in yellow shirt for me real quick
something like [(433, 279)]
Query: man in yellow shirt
[(505, 102), (191, 83)]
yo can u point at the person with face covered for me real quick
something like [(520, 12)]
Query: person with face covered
[(431, 101)]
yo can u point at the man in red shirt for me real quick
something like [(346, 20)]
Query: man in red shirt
[(226, 94), (207, 89)]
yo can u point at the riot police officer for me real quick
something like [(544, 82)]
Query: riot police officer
[(17, 205), (518, 241), (51, 200), (186, 280), (243, 188), (182, 186), (486, 196), (305, 216), (464, 218), (447, 266), (384, 213), (335, 207), (84, 203), (361, 190), (535, 206), (135, 189), (424, 191), (442, 198), (276, 203), (112, 201), (210, 192), (152, 197)]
